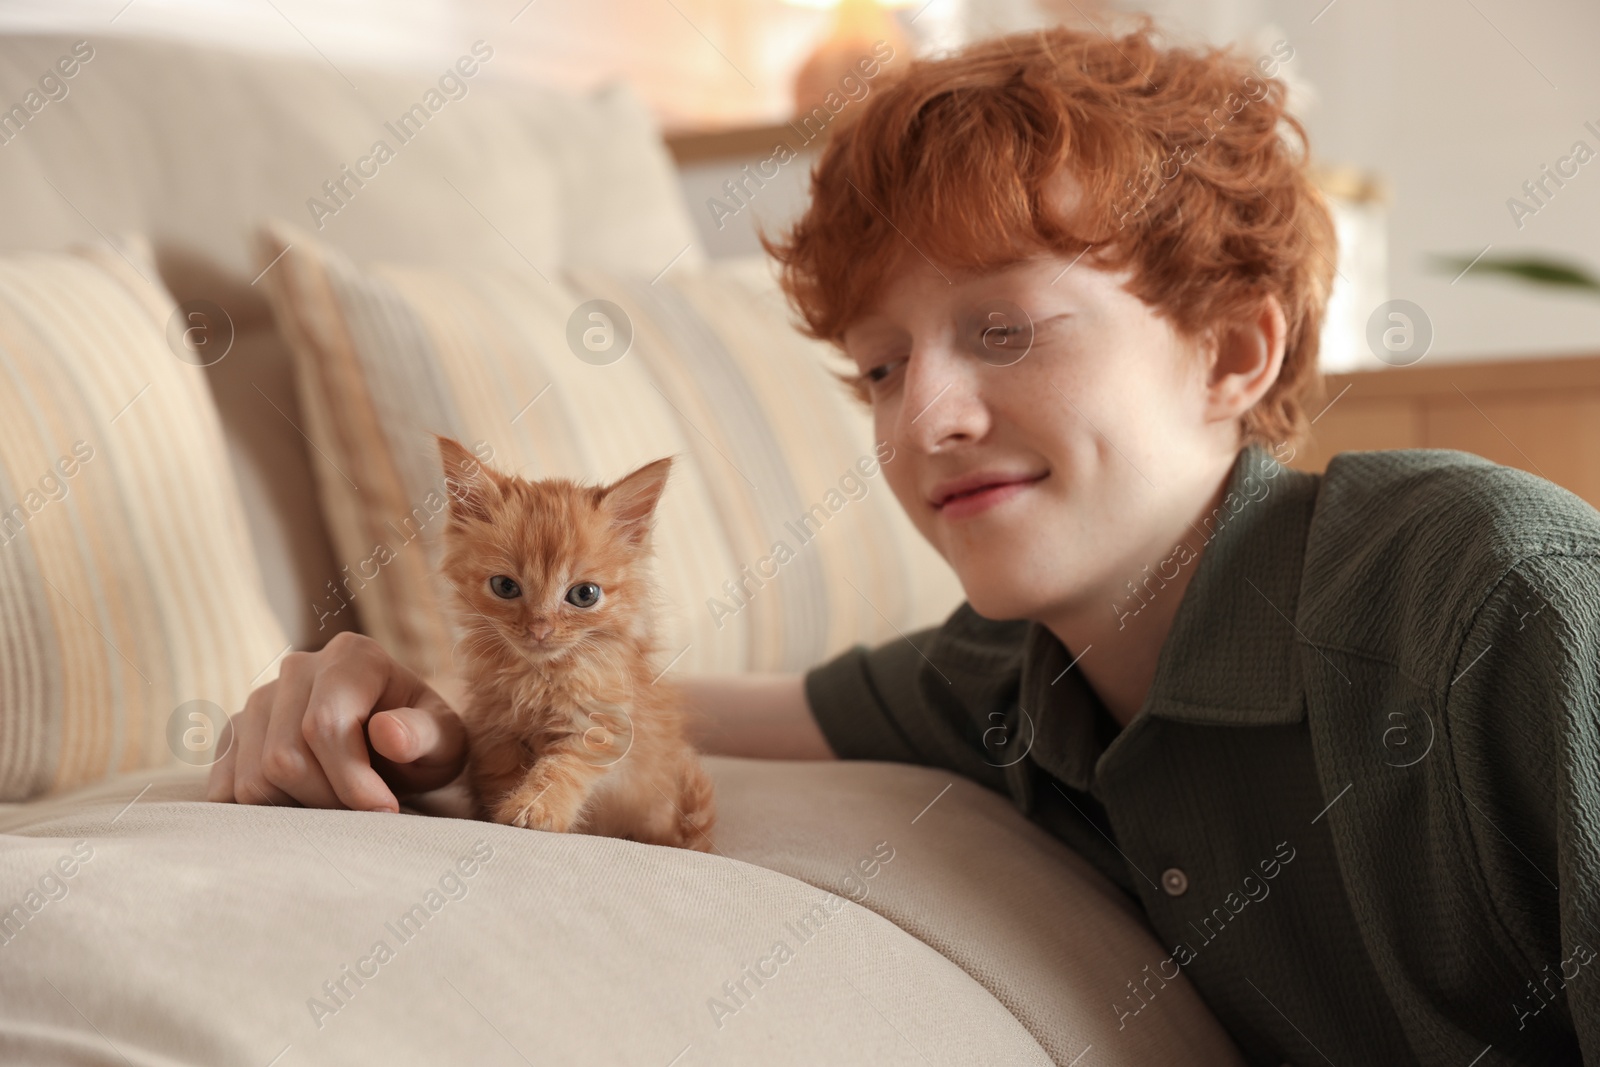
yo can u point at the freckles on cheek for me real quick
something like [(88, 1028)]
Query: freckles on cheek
[(883, 420), (883, 431), (897, 473)]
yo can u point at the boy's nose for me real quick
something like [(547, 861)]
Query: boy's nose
[(940, 400)]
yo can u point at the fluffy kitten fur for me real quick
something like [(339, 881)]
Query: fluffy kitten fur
[(569, 730)]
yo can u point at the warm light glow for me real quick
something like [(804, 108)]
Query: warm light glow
[(829, 5)]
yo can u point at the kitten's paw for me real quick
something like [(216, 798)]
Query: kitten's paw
[(535, 814)]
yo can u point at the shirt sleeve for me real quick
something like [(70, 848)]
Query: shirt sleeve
[(924, 698), (1523, 717)]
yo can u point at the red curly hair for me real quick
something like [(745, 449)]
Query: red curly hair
[(1185, 161)]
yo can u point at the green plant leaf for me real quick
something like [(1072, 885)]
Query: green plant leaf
[(1535, 270)]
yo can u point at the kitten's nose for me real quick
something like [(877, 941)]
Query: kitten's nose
[(540, 629)]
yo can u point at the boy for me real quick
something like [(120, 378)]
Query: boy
[(1337, 735)]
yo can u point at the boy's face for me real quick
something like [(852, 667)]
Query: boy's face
[(1094, 439)]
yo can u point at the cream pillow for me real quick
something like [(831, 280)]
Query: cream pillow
[(130, 601), (778, 542)]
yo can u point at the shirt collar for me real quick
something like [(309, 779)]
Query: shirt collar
[(1229, 659)]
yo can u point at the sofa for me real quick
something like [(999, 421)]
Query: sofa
[(250, 323)]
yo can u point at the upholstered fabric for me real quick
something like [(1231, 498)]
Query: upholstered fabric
[(127, 582), (778, 540), (1026, 916), (192, 144), (919, 926)]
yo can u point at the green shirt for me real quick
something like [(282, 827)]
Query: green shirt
[(1361, 803)]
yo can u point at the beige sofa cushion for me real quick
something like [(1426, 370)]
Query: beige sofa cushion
[(193, 144), (778, 542), (198, 933), (1026, 916), (127, 585)]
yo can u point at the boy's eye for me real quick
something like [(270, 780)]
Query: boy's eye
[(505, 587), (881, 371), (1004, 333), (584, 595)]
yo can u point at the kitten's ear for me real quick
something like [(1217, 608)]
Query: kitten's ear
[(632, 501), (468, 483)]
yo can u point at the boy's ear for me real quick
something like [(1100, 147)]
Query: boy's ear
[(632, 501), (470, 485), (1244, 360)]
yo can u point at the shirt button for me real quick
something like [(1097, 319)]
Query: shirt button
[(1175, 882)]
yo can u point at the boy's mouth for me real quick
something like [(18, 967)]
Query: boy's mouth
[(982, 487)]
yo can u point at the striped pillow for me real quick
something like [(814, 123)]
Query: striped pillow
[(778, 542), (128, 584)]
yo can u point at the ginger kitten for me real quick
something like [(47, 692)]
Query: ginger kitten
[(569, 729)]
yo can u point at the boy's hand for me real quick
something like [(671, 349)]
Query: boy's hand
[(346, 727)]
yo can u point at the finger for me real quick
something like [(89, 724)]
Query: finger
[(286, 759), (343, 696), (219, 781), (249, 733), (418, 748)]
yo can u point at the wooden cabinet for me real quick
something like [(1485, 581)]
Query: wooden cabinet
[(1542, 415)]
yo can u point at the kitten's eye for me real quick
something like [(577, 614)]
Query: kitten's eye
[(584, 595), (504, 587)]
